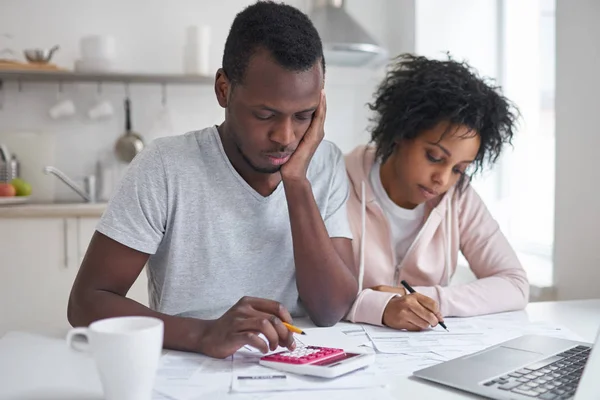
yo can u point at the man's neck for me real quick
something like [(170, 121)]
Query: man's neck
[(262, 183)]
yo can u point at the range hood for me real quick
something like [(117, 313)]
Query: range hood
[(345, 42)]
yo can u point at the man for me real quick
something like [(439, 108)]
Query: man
[(242, 225)]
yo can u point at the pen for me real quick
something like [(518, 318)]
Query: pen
[(294, 329), (411, 290)]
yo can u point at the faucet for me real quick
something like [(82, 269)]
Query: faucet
[(88, 193)]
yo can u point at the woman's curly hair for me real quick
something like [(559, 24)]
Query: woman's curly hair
[(418, 93)]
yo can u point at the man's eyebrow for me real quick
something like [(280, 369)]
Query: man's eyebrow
[(312, 109), (273, 110)]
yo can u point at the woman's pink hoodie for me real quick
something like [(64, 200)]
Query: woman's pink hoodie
[(456, 221)]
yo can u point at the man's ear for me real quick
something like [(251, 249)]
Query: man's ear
[(222, 87)]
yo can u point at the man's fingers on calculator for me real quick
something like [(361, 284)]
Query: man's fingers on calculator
[(286, 337), (262, 324), (252, 339)]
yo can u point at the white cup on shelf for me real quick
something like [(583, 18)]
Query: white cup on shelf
[(104, 109), (62, 109)]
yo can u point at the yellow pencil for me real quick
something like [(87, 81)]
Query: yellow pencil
[(294, 329)]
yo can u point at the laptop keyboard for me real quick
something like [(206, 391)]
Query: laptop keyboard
[(554, 378)]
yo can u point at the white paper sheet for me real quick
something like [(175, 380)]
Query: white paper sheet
[(332, 337), (392, 366), (465, 336), (184, 376), (188, 368), (355, 331)]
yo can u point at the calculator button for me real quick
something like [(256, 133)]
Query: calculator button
[(304, 355)]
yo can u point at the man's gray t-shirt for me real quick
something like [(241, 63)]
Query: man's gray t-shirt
[(211, 237)]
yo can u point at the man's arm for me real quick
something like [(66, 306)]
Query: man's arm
[(325, 271), (106, 275), (110, 268), (325, 274)]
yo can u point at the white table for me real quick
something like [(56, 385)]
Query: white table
[(73, 376)]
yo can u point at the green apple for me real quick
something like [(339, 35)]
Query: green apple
[(22, 188)]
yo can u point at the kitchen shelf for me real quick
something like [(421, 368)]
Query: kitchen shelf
[(70, 76)]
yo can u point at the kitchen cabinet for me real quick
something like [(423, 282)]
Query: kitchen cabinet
[(39, 259)]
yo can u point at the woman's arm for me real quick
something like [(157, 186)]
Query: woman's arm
[(501, 283)]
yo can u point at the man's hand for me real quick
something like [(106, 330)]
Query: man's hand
[(390, 289), (242, 323), (413, 312), (297, 165)]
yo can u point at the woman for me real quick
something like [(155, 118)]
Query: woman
[(436, 123)]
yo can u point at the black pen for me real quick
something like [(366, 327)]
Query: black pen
[(411, 290)]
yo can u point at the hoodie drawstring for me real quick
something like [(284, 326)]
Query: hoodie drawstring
[(363, 230), (448, 244)]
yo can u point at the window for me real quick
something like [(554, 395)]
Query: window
[(511, 41), (526, 175)]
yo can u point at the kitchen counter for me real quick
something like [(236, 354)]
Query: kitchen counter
[(53, 210)]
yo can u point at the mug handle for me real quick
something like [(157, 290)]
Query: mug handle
[(78, 332)]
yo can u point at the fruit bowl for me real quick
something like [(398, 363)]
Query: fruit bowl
[(13, 200)]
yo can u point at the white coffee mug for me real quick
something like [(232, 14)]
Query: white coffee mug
[(103, 109), (63, 108), (126, 351)]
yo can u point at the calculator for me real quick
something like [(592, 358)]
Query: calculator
[(324, 362)]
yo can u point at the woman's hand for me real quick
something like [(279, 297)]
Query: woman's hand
[(413, 312)]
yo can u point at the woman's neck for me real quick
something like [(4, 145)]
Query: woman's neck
[(391, 185)]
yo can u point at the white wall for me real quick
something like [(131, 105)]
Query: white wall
[(150, 37), (468, 30), (577, 217), (401, 26)]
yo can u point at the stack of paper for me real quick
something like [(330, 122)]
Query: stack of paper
[(185, 376), (465, 336)]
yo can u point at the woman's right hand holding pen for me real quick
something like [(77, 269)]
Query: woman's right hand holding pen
[(413, 312)]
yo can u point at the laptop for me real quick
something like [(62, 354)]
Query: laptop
[(528, 367)]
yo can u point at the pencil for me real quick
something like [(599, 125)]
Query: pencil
[(411, 290), (294, 329)]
